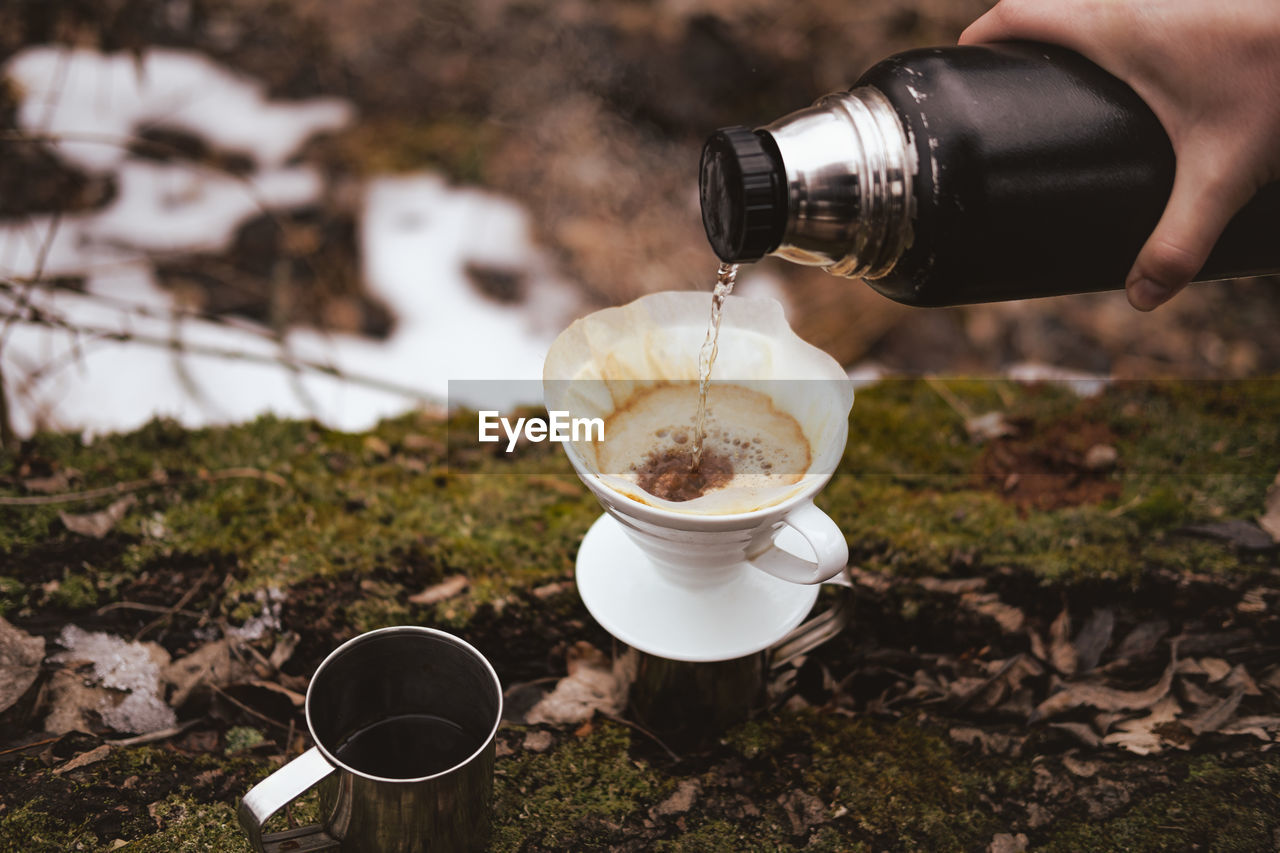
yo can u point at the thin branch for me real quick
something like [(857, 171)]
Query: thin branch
[(243, 707), (102, 334), (152, 737)]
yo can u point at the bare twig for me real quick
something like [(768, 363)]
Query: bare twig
[(145, 608), (167, 616), (243, 707), (152, 737), (949, 397), (653, 737), (36, 743), (105, 335)]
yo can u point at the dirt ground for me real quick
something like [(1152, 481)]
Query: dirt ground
[(1063, 630)]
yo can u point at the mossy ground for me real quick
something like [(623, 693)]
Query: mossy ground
[(347, 527)]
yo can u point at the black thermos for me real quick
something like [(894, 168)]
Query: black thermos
[(955, 175)]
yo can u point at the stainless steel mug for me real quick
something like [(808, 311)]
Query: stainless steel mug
[(691, 703), (403, 720)]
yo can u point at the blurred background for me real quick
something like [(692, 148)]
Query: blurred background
[(214, 208)]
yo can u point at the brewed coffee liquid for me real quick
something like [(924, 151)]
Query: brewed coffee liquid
[(407, 747), (748, 441), (725, 277)]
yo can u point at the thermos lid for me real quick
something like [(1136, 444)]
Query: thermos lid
[(742, 187)]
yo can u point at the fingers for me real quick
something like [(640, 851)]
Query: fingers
[(1029, 20), (1199, 208)]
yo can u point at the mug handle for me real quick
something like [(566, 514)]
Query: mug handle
[(277, 791), (815, 631), (823, 536)]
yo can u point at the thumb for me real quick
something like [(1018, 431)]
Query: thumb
[(1199, 208)]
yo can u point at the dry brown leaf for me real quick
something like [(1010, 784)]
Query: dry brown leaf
[(952, 586), (1216, 668), (1093, 639), (98, 524), (69, 701), (1216, 716), (1270, 519), (591, 686), (446, 589), (986, 427), (1104, 698), (84, 759), (1260, 727), (1082, 732), (1062, 654), (1194, 694), (20, 657), (1149, 734), (1239, 677), (991, 743), (1142, 640), (1009, 618), (1080, 767), (211, 665)]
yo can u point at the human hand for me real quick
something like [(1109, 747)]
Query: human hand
[(1210, 72)]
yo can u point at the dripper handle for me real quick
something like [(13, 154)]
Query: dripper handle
[(830, 550)]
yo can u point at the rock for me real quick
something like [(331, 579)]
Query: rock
[(681, 801)]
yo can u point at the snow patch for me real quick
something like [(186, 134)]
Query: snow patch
[(113, 357), (124, 666)]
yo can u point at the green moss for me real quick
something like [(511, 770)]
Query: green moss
[(242, 737), (574, 796), (190, 827), (74, 592), (721, 836), (1215, 808), (13, 594), (897, 785), (383, 605), (908, 501), (35, 828)]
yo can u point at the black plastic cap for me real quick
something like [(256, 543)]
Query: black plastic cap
[(743, 190)]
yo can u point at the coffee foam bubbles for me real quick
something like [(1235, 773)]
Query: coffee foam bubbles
[(602, 361), (765, 447)]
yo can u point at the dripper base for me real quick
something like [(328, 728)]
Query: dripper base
[(625, 592)]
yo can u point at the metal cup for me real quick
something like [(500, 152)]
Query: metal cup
[(403, 720), (691, 703)]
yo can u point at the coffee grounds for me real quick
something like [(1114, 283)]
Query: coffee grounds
[(667, 474)]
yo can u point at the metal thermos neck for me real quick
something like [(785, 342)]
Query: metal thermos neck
[(849, 169)]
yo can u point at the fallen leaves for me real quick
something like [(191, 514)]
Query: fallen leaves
[(98, 524), (1104, 698), (591, 686), (443, 591), (20, 657), (1105, 680)]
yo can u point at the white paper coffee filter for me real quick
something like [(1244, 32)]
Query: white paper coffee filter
[(597, 364)]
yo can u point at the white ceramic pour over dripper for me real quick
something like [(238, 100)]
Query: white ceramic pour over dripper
[(728, 574)]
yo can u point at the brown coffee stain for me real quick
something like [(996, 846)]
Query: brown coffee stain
[(668, 475)]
